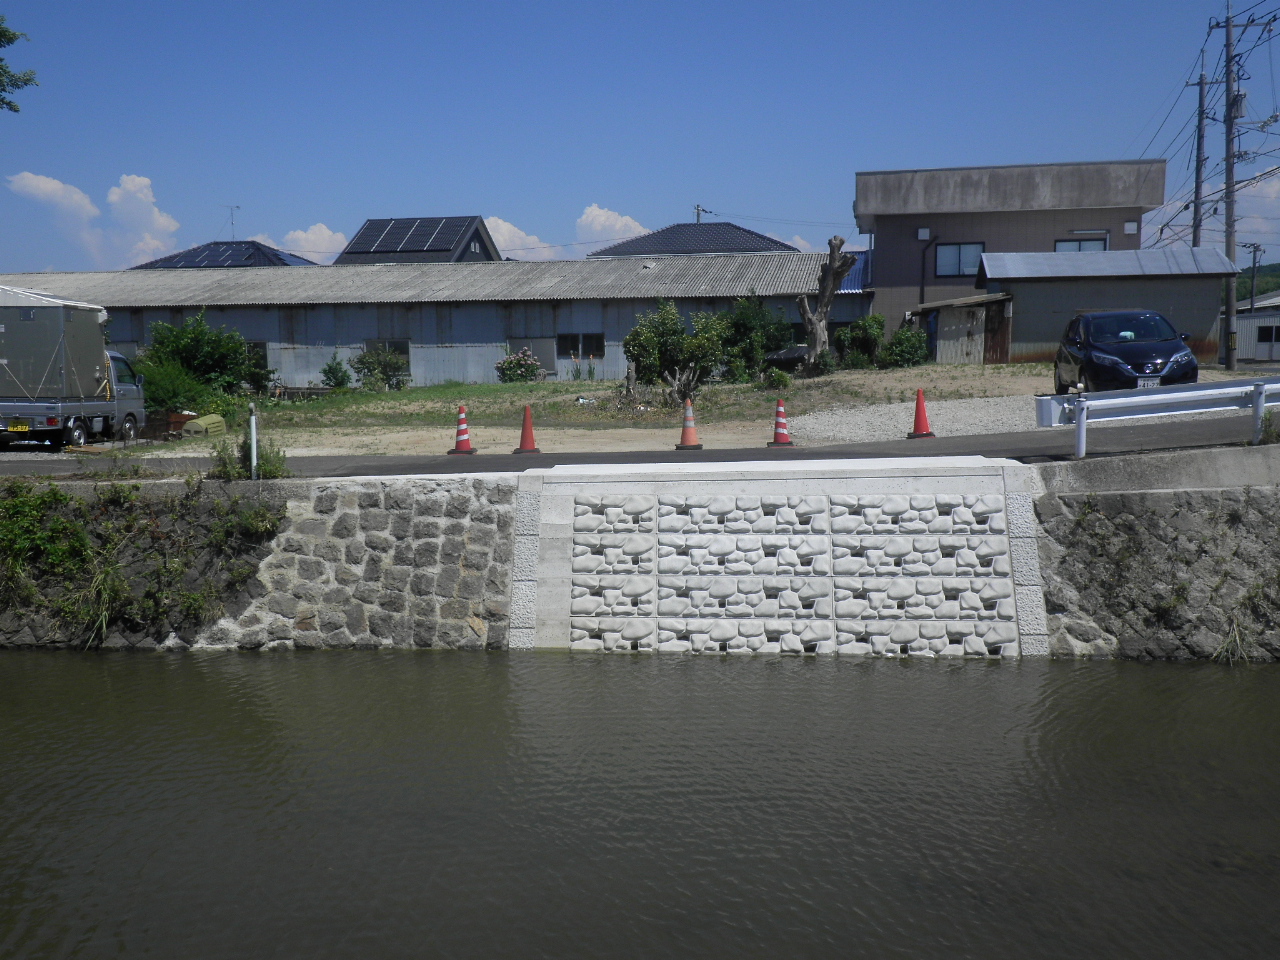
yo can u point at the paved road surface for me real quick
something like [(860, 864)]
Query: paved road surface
[(1055, 443)]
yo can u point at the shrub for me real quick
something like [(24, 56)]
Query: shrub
[(823, 364), (908, 347), (520, 367), (775, 379), (753, 332), (170, 386), (656, 343), (335, 374), (381, 370), (858, 344), (216, 358), (229, 464)]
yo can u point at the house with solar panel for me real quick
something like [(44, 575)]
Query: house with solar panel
[(438, 292), (421, 240), (227, 253)]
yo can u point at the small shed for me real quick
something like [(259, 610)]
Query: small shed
[(968, 329), (1048, 289)]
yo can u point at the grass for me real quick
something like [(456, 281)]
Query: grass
[(556, 404)]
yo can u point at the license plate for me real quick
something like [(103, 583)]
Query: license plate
[(1146, 383), (19, 426)]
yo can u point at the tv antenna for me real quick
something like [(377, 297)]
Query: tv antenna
[(233, 208)]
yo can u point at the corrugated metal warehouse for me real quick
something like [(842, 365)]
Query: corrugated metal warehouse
[(453, 320)]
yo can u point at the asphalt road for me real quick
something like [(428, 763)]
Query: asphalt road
[(1049, 444)]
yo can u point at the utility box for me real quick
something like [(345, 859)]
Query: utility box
[(210, 426)]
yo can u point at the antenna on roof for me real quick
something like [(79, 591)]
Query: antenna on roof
[(233, 208), (699, 210)]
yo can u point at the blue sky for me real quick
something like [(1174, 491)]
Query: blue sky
[(569, 122)]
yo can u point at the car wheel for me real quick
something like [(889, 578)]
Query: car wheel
[(128, 430), (77, 435), (1058, 386)]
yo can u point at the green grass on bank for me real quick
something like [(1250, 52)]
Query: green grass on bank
[(557, 404)]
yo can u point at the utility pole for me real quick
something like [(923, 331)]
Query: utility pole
[(1229, 189), (1197, 205), (1257, 250), (699, 210)]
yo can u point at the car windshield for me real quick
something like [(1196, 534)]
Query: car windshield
[(1130, 328)]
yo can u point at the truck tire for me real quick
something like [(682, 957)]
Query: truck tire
[(128, 431), (77, 435)]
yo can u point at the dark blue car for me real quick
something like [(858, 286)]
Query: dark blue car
[(1122, 350)]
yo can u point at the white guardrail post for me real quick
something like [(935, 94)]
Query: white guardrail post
[(253, 441), (1079, 410)]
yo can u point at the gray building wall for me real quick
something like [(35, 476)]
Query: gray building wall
[(896, 267), (447, 341), (1043, 308)]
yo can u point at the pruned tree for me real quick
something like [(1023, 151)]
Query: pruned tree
[(832, 275), (10, 81)]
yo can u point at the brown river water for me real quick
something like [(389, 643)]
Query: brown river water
[(399, 804)]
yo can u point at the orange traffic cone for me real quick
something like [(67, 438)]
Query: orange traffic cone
[(689, 435), (527, 444), (781, 438), (922, 419), (463, 443)]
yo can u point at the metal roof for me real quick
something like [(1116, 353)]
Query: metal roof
[(1159, 262), (227, 253), (858, 279), (696, 277), (684, 239)]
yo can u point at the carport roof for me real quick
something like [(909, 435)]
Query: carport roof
[(722, 276), (1160, 262)]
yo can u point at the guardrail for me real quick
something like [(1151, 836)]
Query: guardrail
[(1082, 409)]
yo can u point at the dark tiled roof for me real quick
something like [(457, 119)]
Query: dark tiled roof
[(227, 253), (692, 238), (417, 240)]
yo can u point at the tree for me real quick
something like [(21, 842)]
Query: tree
[(10, 81), (754, 331), (217, 358), (833, 273), (662, 349)]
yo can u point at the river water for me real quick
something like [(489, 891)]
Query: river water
[(542, 805)]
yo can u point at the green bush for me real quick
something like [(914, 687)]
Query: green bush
[(656, 343), (334, 374), (381, 370), (217, 358), (520, 367), (169, 386), (775, 379), (858, 345), (753, 332), (823, 364), (235, 464), (908, 347)]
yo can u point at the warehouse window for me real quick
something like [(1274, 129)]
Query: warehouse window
[(580, 346), (1080, 246), (391, 346), (958, 259)]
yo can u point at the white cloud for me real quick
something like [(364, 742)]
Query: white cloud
[(75, 210), (511, 240), (600, 224), (317, 243), (140, 230)]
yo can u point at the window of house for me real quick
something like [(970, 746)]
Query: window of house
[(1080, 246), (391, 346), (475, 246), (580, 346), (958, 259)]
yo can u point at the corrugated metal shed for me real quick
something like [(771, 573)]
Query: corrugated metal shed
[(698, 277), (1161, 262)]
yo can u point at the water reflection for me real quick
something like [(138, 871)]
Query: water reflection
[(343, 804)]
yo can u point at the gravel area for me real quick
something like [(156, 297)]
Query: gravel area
[(947, 418)]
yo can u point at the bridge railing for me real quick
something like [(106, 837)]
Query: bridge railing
[(1082, 409)]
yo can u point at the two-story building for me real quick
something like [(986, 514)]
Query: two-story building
[(930, 228)]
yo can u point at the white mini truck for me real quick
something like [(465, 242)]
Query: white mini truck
[(58, 381)]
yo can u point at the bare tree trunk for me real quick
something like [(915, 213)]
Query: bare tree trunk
[(833, 273)]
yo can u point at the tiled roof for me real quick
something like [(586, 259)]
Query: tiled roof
[(416, 240), (682, 239)]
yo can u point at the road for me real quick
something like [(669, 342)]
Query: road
[(1049, 444)]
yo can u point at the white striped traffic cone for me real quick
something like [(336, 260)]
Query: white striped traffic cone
[(463, 442), (781, 438)]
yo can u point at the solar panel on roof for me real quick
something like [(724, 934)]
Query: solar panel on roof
[(368, 236), (449, 233), (394, 236), (420, 238)]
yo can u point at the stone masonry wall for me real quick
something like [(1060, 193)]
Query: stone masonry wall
[(381, 563), (1162, 575)]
